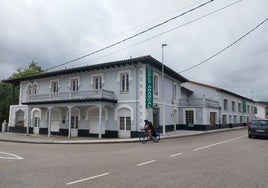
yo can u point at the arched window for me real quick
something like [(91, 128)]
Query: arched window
[(35, 88), (29, 89)]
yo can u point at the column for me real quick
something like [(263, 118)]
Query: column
[(49, 122), (100, 120), (70, 121), (28, 121)]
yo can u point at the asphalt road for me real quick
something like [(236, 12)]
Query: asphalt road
[(225, 159)]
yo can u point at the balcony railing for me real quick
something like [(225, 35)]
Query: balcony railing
[(91, 94), (199, 102)]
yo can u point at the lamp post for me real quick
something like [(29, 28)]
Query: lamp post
[(163, 96)]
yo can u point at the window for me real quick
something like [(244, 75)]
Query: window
[(189, 114), (124, 82), (74, 85), (35, 88), (29, 90), (54, 86), (97, 82), (239, 107), (233, 106), (175, 97), (225, 104), (156, 85), (125, 123), (234, 119)]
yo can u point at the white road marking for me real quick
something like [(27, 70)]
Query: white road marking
[(86, 179), (177, 154), (148, 162), (10, 156), (218, 143)]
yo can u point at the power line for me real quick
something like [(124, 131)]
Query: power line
[(230, 45), (172, 29), (132, 28), (133, 36)]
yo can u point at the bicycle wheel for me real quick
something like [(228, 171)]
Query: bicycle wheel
[(156, 138), (143, 138)]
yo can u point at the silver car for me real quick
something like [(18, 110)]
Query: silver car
[(258, 128)]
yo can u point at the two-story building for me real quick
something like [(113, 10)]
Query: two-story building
[(205, 107), (104, 100)]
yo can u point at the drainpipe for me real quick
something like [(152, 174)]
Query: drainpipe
[(137, 96)]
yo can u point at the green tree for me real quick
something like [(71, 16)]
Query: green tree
[(32, 69), (7, 90)]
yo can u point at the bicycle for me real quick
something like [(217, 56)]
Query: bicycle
[(144, 138)]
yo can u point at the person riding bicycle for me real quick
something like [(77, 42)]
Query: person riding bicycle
[(149, 129)]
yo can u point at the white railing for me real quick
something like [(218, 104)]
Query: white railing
[(91, 94), (199, 102)]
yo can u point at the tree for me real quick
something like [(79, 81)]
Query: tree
[(32, 69), (6, 90)]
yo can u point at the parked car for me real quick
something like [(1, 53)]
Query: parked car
[(258, 128)]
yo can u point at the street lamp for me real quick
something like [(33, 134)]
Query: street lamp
[(163, 96)]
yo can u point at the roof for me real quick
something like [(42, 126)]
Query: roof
[(144, 59), (221, 90)]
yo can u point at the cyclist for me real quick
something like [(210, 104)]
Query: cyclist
[(149, 129)]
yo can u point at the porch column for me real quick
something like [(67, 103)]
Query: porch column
[(49, 122), (70, 121), (100, 120), (29, 118)]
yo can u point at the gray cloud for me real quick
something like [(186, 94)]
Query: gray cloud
[(53, 32)]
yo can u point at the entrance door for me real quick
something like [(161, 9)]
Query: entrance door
[(75, 122), (212, 118), (125, 127), (36, 120), (156, 113), (93, 120), (55, 120), (36, 125), (124, 123)]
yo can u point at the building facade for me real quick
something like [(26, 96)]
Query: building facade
[(104, 100), (205, 107)]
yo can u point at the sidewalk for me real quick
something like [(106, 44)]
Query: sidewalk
[(54, 139)]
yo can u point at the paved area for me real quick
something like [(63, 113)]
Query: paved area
[(54, 139)]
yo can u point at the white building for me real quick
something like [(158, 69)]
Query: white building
[(261, 110), (104, 100), (205, 107)]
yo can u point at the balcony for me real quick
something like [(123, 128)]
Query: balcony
[(199, 102), (90, 95)]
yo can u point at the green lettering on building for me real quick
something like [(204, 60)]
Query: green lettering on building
[(149, 87)]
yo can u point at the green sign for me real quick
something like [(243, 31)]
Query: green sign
[(149, 87), (244, 105)]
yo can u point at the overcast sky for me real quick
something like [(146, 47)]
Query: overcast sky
[(53, 32)]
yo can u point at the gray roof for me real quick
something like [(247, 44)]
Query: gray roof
[(144, 59)]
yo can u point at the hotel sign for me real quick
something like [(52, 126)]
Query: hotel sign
[(149, 87)]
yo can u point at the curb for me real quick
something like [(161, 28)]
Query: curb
[(114, 141)]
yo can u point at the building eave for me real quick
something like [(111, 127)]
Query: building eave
[(144, 59)]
